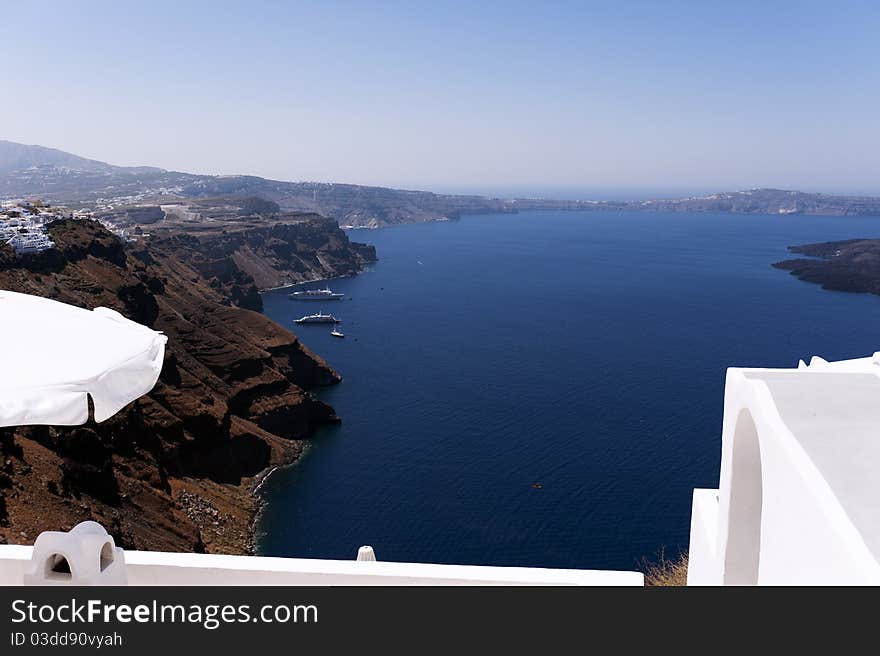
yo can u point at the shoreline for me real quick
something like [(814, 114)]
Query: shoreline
[(228, 515), (260, 502)]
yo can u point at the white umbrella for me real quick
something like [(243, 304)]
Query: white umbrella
[(53, 356)]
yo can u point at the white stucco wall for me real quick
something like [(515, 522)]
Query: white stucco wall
[(782, 517)]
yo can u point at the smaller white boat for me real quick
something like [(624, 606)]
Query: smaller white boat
[(337, 333), (317, 318)]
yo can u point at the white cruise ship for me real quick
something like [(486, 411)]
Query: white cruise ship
[(325, 294), (317, 318)]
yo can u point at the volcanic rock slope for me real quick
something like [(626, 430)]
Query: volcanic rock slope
[(174, 470)]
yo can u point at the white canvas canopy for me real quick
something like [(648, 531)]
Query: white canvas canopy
[(53, 356)]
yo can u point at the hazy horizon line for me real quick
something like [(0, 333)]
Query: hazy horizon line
[(512, 191)]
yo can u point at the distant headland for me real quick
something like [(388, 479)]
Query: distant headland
[(63, 178)]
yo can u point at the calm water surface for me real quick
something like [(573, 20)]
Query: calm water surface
[(581, 351)]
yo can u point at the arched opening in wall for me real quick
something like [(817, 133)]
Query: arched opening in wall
[(107, 556), (742, 555), (57, 568)]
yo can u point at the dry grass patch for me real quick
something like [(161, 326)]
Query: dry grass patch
[(665, 571)]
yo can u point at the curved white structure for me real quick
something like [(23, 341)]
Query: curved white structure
[(56, 356), (87, 555), (799, 494)]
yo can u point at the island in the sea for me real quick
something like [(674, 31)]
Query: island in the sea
[(852, 265)]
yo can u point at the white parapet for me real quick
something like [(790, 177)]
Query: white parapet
[(176, 569)]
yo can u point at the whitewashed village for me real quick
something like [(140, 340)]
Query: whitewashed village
[(23, 224)]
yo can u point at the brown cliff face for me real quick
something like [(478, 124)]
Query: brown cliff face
[(174, 470), (276, 251)]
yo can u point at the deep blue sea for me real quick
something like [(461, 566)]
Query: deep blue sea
[(584, 352)]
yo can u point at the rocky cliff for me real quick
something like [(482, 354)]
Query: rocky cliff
[(273, 252), (174, 470)]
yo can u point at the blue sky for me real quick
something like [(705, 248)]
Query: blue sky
[(574, 96)]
